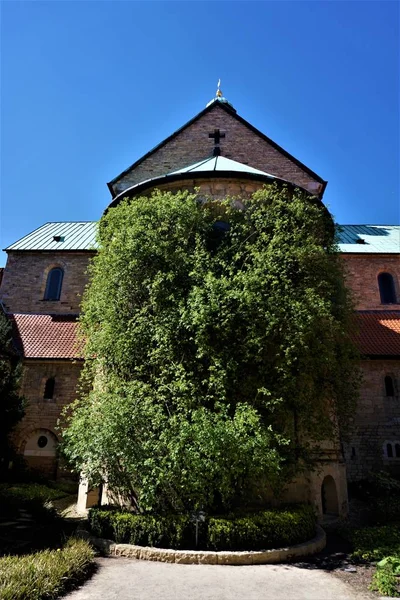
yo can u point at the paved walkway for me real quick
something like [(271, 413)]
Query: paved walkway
[(124, 579)]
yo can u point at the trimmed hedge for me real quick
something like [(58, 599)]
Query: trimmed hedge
[(253, 531), (47, 574), (263, 530)]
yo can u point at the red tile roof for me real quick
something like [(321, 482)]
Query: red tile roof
[(378, 333), (46, 336), (54, 336)]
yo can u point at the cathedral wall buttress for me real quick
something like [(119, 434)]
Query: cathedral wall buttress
[(25, 276), (362, 272)]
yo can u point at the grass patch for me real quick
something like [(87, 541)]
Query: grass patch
[(28, 492), (47, 574)]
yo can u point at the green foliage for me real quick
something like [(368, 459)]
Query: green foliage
[(254, 531), (375, 543), (385, 510), (385, 579), (161, 531), (12, 404), (23, 493), (214, 362), (381, 492), (45, 575), (392, 562), (263, 530)]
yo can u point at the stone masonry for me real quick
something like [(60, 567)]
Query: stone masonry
[(377, 418), (362, 272), (42, 414), (25, 276), (376, 422), (240, 143)]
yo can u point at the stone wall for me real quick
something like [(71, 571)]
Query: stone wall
[(362, 272), (41, 415), (240, 143), (25, 277), (215, 188), (376, 422)]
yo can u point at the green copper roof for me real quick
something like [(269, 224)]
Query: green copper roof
[(81, 235), (220, 163), (66, 235), (367, 239)]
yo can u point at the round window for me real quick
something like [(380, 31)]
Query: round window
[(42, 441)]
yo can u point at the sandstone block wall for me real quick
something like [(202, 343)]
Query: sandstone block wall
[(240, 143), (362, 272), (24, 281), (376, 421)]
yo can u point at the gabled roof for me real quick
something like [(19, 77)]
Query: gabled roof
[(378, 333), (226, 107), (66, 235), (369, 239), (46, 336)]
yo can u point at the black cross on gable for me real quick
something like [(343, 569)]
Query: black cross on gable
[(217, 135)]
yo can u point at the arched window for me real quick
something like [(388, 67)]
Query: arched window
[(389, 450), (53, 284), (397, 449), (386, 288), (389, 386), (49, 388)]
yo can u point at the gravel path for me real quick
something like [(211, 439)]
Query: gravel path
[(124, 579)]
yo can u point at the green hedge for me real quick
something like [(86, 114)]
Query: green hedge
[(263, 530), (255, 531), (45, 575)]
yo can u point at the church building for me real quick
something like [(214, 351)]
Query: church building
[(217, 153)]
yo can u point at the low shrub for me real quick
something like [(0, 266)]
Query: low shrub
[(261, 530), (385, 580), (375, 543), (45, 575)]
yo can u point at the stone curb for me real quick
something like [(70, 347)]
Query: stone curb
[(205, 557)]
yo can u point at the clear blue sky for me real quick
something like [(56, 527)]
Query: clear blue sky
[(89, 87)]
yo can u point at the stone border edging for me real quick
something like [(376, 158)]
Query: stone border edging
[(207, 557)]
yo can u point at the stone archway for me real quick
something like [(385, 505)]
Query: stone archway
[(40, 452), (329, 497)]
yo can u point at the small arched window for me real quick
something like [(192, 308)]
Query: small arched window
[(53, 284), (386, 288), (389, 385), (389, 450), (397, 449), (49, 388)]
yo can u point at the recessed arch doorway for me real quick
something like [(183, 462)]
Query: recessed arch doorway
[(329, 497)]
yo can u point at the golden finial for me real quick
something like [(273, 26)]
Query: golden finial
[(219, 93)]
